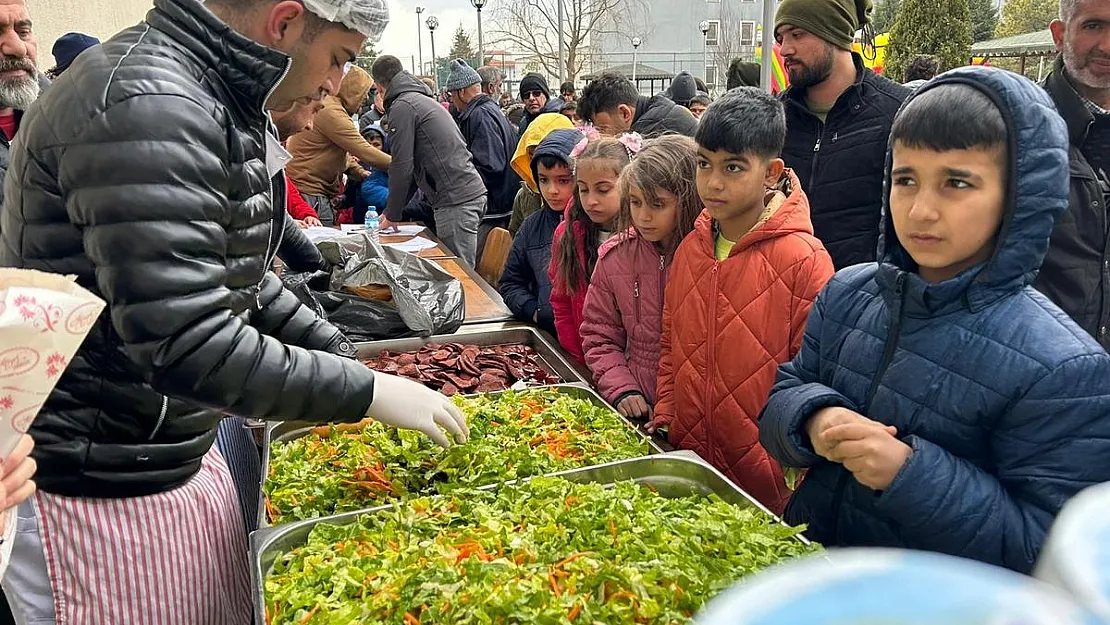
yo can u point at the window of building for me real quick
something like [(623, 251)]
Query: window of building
[(713, 37), (747, 33), (711, 76)]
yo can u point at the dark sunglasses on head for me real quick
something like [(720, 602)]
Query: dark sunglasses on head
[(531, 94)]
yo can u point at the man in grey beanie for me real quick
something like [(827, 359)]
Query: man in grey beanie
[(491, 141), (838, 118)]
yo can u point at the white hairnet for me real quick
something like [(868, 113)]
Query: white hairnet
[(369, 17)]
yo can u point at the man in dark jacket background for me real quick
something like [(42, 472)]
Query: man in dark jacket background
[(838, 118), (143, 171), (19, 90), (536, 96), (491, 141), (612, 104), (1076, 273), (428, 151)]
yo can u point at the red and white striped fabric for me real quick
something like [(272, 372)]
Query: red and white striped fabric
[(168, 559)]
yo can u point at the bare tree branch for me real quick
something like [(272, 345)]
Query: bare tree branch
[(532, 27)]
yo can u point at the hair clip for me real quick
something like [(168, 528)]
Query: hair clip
[(579, 148), (633, 142)]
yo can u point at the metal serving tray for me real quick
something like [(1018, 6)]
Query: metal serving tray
[(280, 432), (672, 476), (551, 357)]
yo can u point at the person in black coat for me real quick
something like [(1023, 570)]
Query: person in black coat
[(612, 104), (537, 100), (491, 141), (1076, 272), (838, 118)]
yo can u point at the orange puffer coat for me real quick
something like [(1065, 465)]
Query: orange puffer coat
[(727, 326)]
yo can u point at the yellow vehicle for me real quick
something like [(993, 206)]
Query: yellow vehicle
[(874, 64)]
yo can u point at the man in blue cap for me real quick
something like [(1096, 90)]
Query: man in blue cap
[(66, 49)]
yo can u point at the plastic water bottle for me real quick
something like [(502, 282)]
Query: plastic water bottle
[(374, 224)]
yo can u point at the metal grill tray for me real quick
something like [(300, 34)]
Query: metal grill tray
[(671, 475), (281, 432)]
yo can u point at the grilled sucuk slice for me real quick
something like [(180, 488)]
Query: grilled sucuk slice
[(441, 355), (449, 389), (406, 359), (409, 371)]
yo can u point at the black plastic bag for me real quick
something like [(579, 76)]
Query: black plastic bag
[(302, 285), (426, 299)]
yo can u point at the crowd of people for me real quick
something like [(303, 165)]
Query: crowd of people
[(881, 309)]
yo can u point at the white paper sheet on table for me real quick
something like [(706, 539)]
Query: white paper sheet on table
[(413, 245), (322, 233), (412, 229)]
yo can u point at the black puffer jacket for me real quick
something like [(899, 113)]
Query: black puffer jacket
[(142, 171), (658, 116), (840, 162), (1076, 272)]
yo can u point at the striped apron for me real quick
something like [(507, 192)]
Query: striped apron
[(174, 558)]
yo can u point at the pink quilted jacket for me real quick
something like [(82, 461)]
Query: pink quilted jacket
[(623, 317), (567, 308)]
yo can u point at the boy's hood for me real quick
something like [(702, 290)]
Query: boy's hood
[(536, 132), (1037, 193), (558, 144), (354, 88)]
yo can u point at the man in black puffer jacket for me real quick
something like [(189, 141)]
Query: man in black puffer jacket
[(612, 104), (143, 172), (838, 119)]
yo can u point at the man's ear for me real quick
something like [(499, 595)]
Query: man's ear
[(775, 167), (627, 113), (284, 26), (1059, 29)]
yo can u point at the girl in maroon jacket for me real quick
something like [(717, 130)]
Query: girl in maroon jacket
[(623, 314), (591, 219)]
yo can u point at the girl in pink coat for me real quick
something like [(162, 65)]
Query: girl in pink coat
[(623, 311), (588, 223)]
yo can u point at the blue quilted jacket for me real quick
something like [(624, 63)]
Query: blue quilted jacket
[(1003, 399)]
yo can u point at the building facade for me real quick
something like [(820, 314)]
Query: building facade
[(99, 18), (672, 39)]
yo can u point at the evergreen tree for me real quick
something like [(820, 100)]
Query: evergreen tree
[(367, 56), (939, 27), (883, 17), (1026, 16), (984, 20), (462, 48)]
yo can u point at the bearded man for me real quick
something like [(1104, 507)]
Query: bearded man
[(1076, 272), (20, 80), (838, 118)]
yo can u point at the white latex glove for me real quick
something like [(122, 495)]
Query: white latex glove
[(412, 406)]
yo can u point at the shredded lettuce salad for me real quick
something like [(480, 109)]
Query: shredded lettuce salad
[(544, 551), (512, 435)]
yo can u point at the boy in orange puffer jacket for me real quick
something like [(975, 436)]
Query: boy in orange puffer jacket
[(739, 293)]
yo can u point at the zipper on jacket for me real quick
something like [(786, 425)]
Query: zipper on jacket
[(816, 152), (636, 296), (662, 288), (161, 417), (267, 261), (710, 360), (888, 355)]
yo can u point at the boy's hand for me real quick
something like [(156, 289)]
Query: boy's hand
[(869, 450), (313, 222), (635, 407), (824, 419)]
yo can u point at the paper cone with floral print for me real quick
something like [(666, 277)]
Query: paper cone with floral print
[(44, 318)]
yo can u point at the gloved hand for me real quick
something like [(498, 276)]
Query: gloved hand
[(411, 406)]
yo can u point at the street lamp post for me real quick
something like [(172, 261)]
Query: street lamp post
[(704, 26), (636, 41), (419, 43), (433, 24), (479, 5)]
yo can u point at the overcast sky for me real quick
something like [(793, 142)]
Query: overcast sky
[(400, 36)]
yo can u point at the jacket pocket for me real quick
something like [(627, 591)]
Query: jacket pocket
[(855, 136), (161, 418)]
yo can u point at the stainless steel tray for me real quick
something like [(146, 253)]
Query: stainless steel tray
[(280, 432), (551, 357), (671, 476)]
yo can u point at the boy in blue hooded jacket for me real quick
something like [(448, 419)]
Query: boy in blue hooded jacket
[(939, 402)]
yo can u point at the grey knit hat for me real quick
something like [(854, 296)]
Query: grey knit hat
[(461, 76)]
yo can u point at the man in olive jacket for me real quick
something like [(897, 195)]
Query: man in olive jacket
[(429, 152), (1076, 272)]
